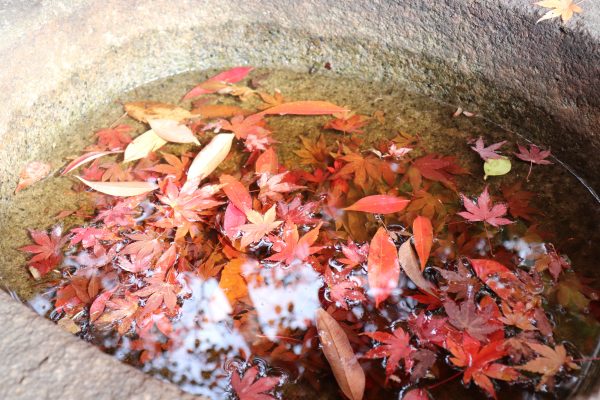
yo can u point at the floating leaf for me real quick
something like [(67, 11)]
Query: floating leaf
[(209, 158), (379, 204), (410, 265), (304, 108), (482, 210), (121, 189), (146, 110), (172, 131), (382, 265), (496, 167), (142, 145), (347, 371), (423, 237)]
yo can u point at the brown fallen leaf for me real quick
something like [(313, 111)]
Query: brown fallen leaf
[(145, 110), (121, 189), (304, 108), (410, 265), (208, 160), (344, 364), (33, 172)]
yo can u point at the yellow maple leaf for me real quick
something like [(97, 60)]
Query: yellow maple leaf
[(559, 8)]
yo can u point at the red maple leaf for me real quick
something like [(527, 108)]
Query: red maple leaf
[(272, 187), (481, 211), (294, 249), (479, 362), (534, 155), (348, 125), (489, 152), (186, 205), (175, 166), (429, 328), (341, 288), (518, 201), (242, 127), (395, 346), (435, 168), (355, 254), (250, 388), (119, 311), (143, 244), (116, 138), (466, 317), (297, 212), (90, 236), (163, 286), (47, 249)]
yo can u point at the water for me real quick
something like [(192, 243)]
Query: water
[(273, 330)]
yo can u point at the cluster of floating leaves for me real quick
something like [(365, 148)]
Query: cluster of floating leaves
[(365, 263)]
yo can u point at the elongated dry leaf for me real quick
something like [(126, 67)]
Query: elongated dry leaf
[(209, 111), (379, 204), (304, 108), (344, 364), (423, 237), (121, 189), (172, 131), (383, 267), (145, 110), (410, 266), (142, 145), (86, 158), (208, 160)]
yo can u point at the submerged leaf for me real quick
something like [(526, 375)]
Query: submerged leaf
[(423, 237), (304, 108), (383, 266), (33, 172), (347, 371)]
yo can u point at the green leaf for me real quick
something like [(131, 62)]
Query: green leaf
[(496, 167)]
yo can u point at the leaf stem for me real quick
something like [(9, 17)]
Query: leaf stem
[(487, 236), (435, 385)]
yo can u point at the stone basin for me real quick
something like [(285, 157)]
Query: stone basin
[(63, 58)]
